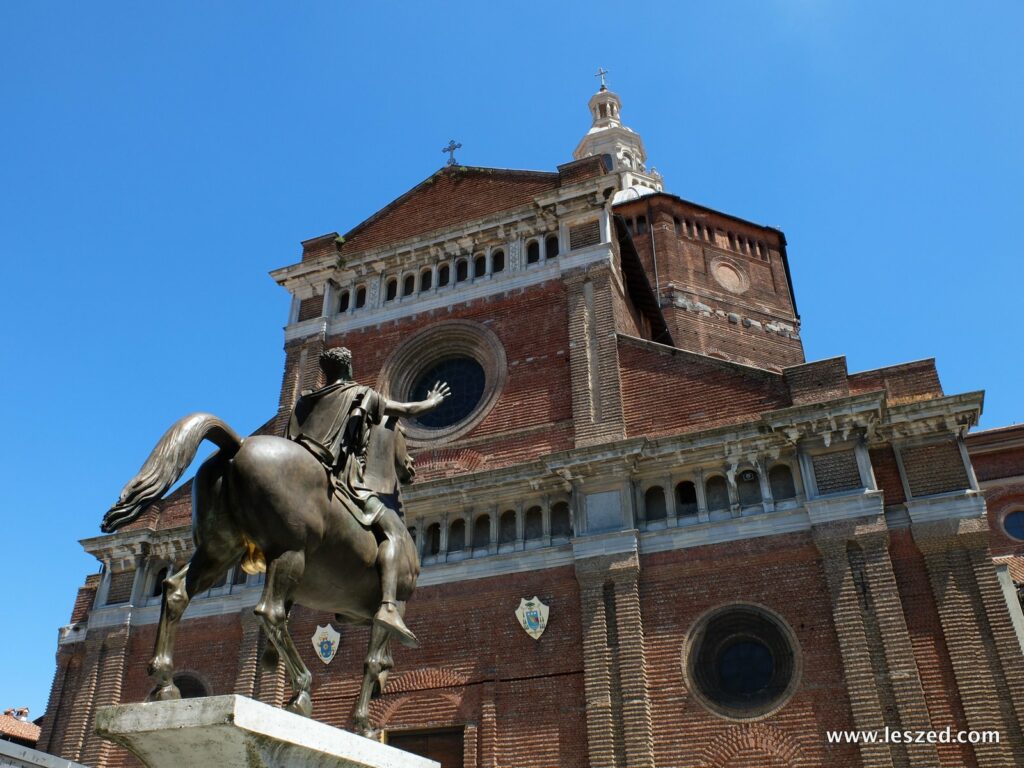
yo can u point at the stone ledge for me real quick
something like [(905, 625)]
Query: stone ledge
[(236, 732)]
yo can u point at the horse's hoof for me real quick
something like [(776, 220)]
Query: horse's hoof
[(167, 692), (301, 704)]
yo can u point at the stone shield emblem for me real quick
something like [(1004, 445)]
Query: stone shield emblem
[(533, 616), (325, 641)]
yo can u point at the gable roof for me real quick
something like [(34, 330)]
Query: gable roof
[(452, 195)]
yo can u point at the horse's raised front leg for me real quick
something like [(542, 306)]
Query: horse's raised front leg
[(283, 575), (161, 667), (375, 673)]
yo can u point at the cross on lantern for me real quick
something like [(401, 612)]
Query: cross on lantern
[(450, 149), (601, 72)]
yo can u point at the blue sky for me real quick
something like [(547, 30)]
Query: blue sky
[(158, 161)]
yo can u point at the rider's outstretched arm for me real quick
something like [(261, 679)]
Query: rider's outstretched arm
[(435, 397)]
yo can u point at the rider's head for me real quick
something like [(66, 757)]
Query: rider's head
[(336, 363)]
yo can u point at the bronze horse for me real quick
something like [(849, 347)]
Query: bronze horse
[(266, 502)]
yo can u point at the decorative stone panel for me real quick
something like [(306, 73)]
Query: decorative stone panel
[(935, 468), (836, 471)]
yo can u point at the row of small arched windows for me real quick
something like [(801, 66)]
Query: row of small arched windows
[(480, 538), (697, 230), (465, 269), (716, 493)]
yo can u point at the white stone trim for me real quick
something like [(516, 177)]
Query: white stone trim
[(946, 506)]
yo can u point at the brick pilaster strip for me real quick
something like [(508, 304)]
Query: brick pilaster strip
[(858, 669), (901, 664), (636, 703), (949, 548), (73, 742), (597, 673), (54, 713), (248, 654), (98, 752), (488, 732)]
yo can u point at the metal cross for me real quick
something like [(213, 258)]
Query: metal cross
[(450, 149), (601, 72)]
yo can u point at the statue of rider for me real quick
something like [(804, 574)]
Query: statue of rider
[(353, 431)]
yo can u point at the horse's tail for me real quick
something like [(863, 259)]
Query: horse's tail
[(172, 455)]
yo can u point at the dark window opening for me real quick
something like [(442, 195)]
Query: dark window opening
[(654, 503), (479, 266), (158, 583), (461, 270), (426, 280), (409, 285), (360, 297), (433, 544), (507, 527), (686, 498), (444, 273), (482, 532), (748, 486), (534, 527), (717, 493), (551, 247), (466, 378), (457, 536), (498, 261), (561, 520), (533, 252), (641, 225), (392, 290), (343, 301), (239, 576), (780, 478)]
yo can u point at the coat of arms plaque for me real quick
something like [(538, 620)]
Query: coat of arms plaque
[(533, 616)]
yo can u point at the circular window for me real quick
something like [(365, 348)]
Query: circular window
[(466, 378), (741, 662), (467, 356), (1013, 524)]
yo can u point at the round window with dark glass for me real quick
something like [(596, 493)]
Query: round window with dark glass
[(742, 662), (466, 378), (1013, 524)]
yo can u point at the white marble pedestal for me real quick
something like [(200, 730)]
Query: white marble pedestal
[(236, 732)]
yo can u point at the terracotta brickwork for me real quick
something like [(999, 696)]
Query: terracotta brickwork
[(887, 604)]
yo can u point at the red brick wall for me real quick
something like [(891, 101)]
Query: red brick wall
[(781, 573), (933, 664), (902, 383), (85, 598), (665, 392), (887, 474), (533, 329), (997, 464)]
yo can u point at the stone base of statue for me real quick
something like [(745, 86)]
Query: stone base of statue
[(236, 732)]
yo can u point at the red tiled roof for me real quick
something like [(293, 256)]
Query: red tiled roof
[(12, 727)]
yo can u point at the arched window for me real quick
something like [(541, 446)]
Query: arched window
[(717, 492), (507, 527), (748, 486), (654, 503), (551, 246), (686, 498), (457, 536), (158, 583), (498, 261), (392, 290), (444, 274), (433, 542), (461, 270), (426, 280), (533, 252), (689, 228), (479, 265), (343, 301), (534, 528), (190, 686), (561, 522), (409, 285), (482, 532), (780, 478), (360, 297)]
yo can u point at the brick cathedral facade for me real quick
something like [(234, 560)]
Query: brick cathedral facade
[(740, 550)]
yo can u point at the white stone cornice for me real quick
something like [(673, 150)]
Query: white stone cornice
[(951, 414), (834, 420), (845, 506), (956, 505)]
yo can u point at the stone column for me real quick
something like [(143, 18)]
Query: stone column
[(982, 645)]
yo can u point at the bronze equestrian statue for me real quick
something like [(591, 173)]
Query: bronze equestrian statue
[(320, 512)]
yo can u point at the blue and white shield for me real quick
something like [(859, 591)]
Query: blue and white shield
[(325, 643), (533, 616)]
